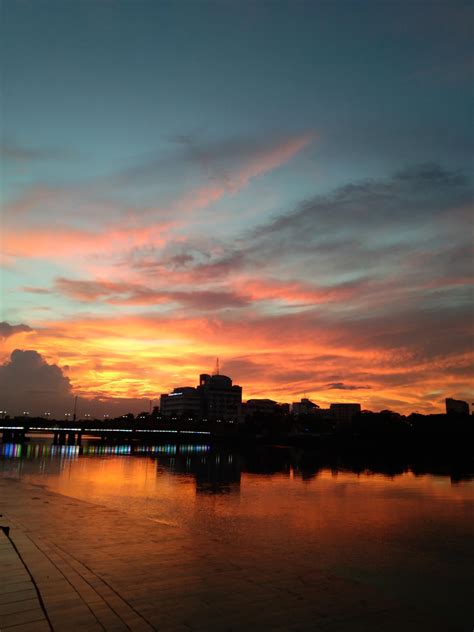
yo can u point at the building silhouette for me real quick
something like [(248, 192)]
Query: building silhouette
[(343, 413), (264, 407), (221, 400), (214, 399), (304, 407), (184, 401), (456, 407)]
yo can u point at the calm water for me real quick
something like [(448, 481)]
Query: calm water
[(407, 527)]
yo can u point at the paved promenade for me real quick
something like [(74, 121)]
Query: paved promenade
[(101, 569), (20, 604)]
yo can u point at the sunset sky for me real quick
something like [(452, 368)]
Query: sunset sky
[(284, 185)]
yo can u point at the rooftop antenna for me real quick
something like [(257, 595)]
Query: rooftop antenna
[(216, 371)]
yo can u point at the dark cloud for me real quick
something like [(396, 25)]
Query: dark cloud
[(219, 267), (180, 260), (340, 386), (408, 333), (244, 368), (27, 382), (410, 197), (135, 294), (199, 264), (93, 290), (217, 161), (370, 228), (424, 333), (7, 330), (209, 300)]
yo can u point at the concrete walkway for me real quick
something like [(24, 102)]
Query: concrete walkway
[(65, 595), (20, 605)]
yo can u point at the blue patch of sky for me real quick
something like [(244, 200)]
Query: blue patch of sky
[(112, 80)]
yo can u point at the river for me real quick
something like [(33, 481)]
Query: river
[(403, 527)]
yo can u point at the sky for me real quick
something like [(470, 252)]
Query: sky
[(287, 186)]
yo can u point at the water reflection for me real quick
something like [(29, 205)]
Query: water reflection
[(215, 473), (35, 451), (217, 469)]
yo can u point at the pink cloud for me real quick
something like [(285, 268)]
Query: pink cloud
[(57, 242), (232, 181), (296, 291)]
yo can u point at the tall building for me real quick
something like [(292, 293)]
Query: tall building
[(456, 407), (343, 413), (221, 400), (215, 399)]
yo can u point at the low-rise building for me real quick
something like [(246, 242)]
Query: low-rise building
[(261, 407), (304, 407), (184, 401), (343, 413), (456, 407)]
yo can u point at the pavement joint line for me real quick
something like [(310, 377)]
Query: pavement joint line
[(32, 579), (50, 545), (103, 581), (100, 596), (43, 606)]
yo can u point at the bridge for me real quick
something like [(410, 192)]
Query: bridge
[(72, 434)]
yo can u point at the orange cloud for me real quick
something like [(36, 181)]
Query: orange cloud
[(295, 291), (394, 338), (278, 357), (58, 242)]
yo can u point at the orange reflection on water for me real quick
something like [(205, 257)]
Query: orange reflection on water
[(201, 489)]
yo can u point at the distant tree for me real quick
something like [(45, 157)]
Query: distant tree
[(387, 423)]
